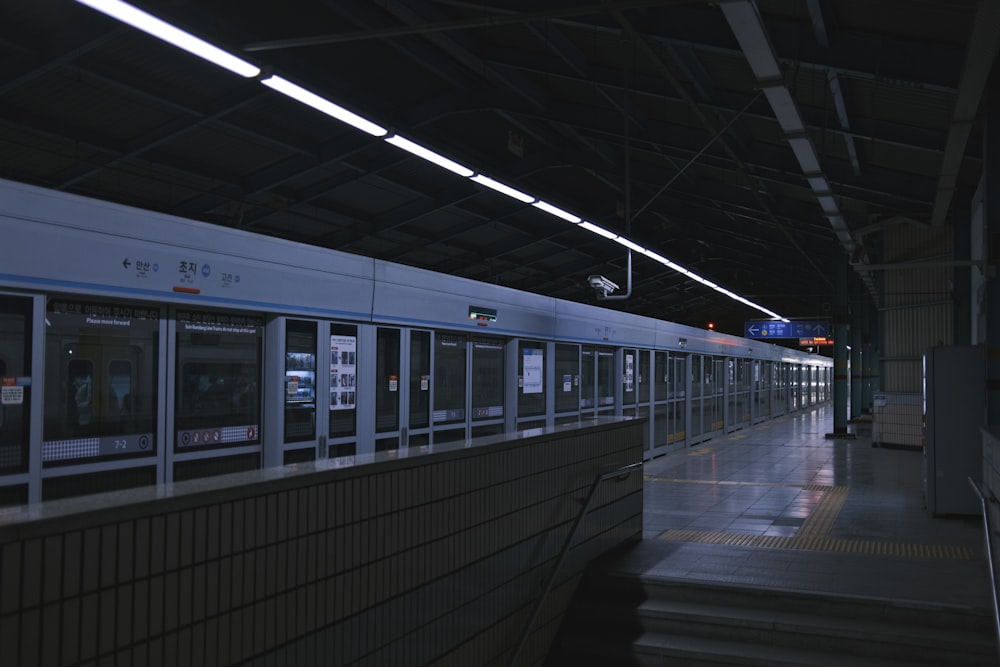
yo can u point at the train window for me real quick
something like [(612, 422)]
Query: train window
[(100, 381), (387, 381), (218, 379), (449, 379), (531, 370), (487, 378), (420, 373), (300, 381), (80, 392), (15, 361), (567, 378), (343, 380)]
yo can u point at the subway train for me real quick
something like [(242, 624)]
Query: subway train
[(139, 348)]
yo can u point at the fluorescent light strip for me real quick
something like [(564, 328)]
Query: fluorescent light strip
[(503, 189), (309, 98), (630, 244), (429, 155), (600, 231), (558, 212), (160, 29)]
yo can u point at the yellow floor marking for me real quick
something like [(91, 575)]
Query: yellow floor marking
[(813, 534)]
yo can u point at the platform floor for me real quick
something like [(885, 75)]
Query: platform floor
[(779, 505)]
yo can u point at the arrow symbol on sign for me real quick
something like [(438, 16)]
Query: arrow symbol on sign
[(753, 330), (126, 263)]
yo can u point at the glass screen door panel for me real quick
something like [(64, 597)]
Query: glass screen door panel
[(15, 406), (387, 386), (300, 381)]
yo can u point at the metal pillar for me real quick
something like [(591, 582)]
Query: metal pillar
[(856, 365), (870, 379), (840, 333), (962, 276), (991, 221)]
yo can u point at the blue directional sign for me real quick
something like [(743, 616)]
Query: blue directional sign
[(801, 329)]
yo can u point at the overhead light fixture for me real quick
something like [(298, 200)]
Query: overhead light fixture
[(503, 188), (160, 29), (805, 154), (558, 212), (309, 98), (784, 109), (828, 203), (630, 244), (747, 26), (429, 155), (600, 231), (819, 184)]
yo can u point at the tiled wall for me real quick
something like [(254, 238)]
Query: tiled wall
[(425, 560)]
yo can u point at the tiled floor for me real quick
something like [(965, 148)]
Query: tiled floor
[(780, 505)]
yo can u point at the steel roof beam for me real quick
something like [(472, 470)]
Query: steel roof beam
[(980, 56)]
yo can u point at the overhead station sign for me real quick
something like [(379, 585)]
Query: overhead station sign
[(763, 329)]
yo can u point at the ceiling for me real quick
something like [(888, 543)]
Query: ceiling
[(752, 147)]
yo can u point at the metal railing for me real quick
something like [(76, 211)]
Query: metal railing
[(622, 473), (983, 500)]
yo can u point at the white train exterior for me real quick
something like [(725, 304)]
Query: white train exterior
[(140, 348)]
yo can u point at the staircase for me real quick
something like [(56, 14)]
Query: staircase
[(627, 620)]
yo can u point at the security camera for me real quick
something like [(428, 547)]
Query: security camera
[(602, 286)]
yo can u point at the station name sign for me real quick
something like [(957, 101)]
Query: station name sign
[(764, 329)]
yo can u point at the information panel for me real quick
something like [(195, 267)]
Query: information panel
[(773, 329)]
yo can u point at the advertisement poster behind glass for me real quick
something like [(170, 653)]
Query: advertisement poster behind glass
[(343, 372)]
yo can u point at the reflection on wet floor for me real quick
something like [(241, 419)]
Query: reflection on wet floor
[(781, 505)]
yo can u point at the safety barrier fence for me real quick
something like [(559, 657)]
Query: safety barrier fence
[(433, 557)]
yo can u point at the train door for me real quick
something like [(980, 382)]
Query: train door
[(643, 398), (716, 385), (597, 380), (696, 382), (677, 403), (468, 394), (669, 380), (318, 380), (102, 423), (533, 386), (567, 383), (388, 385), (215, 420), (16, 315), (739, 393), (629, 381)]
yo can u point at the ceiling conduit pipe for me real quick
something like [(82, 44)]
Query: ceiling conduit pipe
[(604, 296)]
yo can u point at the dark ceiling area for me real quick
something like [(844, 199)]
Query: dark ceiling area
[(752, 143)]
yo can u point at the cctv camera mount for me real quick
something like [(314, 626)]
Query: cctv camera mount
[(602, 286)]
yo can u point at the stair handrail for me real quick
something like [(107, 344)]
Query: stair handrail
[(989, 557), (622, 473)]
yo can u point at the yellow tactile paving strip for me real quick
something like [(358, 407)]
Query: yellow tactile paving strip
[(813, 535)]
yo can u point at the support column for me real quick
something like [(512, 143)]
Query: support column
[(840, 333), (991, 223), (962, 275), (870, 379), (856, 365)]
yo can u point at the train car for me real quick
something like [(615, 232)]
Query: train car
[(139, 348)]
